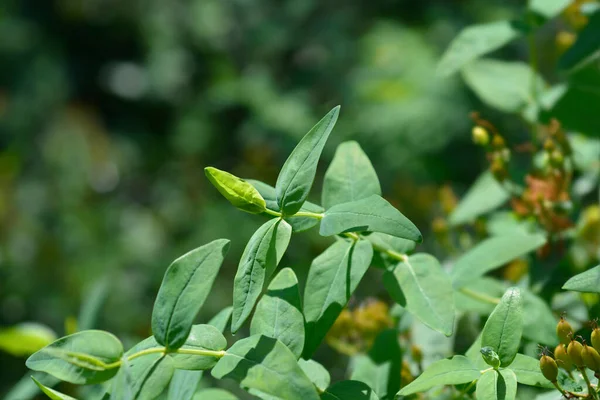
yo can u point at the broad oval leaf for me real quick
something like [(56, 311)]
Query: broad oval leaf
[(458, 369), (150, 375), (214, 394), (259, 260), (202, 337), (332, 278), (504, 327), (350, 176), (316, 372), (298, 173), (588, 281), (279, 312), (185, 286), (473, 42), (497, 385), (265, 364), (239, 192), (422, 284), (51, 393), (25, 338), (527, 371), (349, 390), (492, 253), (485, 195), (371, 214), (81, 358), (184, 384)]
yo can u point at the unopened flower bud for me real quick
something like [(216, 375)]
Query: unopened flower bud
[(549, 368), (480, 136), (490, 357), (562, 358), (591, 358), (498, 142), (498, 169), (556, 158), (574, 351), (549, 145), (564, 331), (596, 338)]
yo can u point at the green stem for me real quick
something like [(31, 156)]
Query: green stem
[(480, 296), (273, 213), (591, 390), (557, 386), (163, 350), (308, 214)]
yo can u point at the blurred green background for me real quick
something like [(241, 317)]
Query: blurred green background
[(110, 110)]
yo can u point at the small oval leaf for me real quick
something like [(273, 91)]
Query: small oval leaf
[(239, 192)]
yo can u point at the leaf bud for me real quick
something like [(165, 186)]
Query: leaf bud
[(549, 368), (591, 358), (574, 351), (564, 331), (498, 142), (480, 136), (490, 357), (562, 358)]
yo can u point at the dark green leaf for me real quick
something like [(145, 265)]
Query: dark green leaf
[(332, 278), (473, 42), (184, 289), (350, 176), (588, 281), (503, 329), (588, 43), (497, 385), (349, 390), (265, 364), (492, 253), (259, 260), (150, 375), (296, 177), (214, 394), (424, 286), (458, 369), (51, 393), (527, 371), (239, 192), (184, 384), (202, 337), (317, 373), (79, 358), (372, 214), (279, 312)]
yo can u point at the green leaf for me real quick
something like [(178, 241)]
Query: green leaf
[(504, 327), (350, 176), (539, 323), (548, 8), (92, 303), (386, 241), (588, 281), (259, 260), (497, 385), (121, 387), (214, 394), (372, 214), (588, 43), (80, 358), (380, 369), (265, 364), (473, 42), (150, 375), (485, 195), (298, 173), (332, 278), (184, 384), (491, 254), (239, 192), (184, 289), (51, 393), (458, 369), (220, 320), (317, 373), (503, 85), (421, 285), (298, 224), (349, 390), (202, 337), (279, 312), (25, 338), (26, 389), (527, 371)]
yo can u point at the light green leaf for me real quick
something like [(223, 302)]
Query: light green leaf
[(424, 286), (349, 390), (350, 176), (473, 42), (259, 260), (504, 327), (150, 375), (80, 358), (548, 8), (587, 43), (239, 192), (332, 278), (539, 323), (184, 384), (480, 295), (527, 371), (458, 369), (25, 338), (497, 385), (202, 337), (121, 386), (380, 369), (214, 394), (504, 85), (491, 254), (298, 173), (184, 289), (588, 281), (298, 224), (372, 214), (317, 373), (51, 393), (485, 195), (265, 364), (386, 241), (279, 312), (220, 320)]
